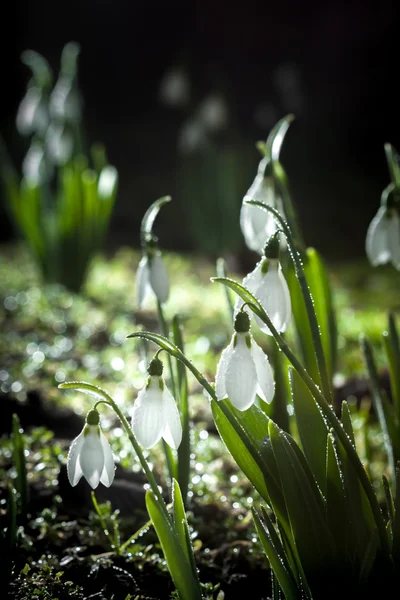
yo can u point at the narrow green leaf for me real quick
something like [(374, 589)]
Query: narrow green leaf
[(19, 459), (311, 426), (276, 559), (392, 159), (369, 557), (336, 498), (150, 216), (304, 503), (388, 497), (396, 521), (375, 388), (244, 450), (392, 348), (177, 562), (181, 525), (346, 422)]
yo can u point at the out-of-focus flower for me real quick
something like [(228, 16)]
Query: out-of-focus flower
[(268, 284), (32, 116), (90, 455), (65, 102), (257, 224), (383, 238), (244, 370), (59, 144), (155, 414), (152, 276), (175, 88), (34, 167), (213, 113)]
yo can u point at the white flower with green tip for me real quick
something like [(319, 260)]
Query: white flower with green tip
[(257, 224), (383, 238), (268, 285), (90, 455), (155, 414), (152, 277), (244, 369)]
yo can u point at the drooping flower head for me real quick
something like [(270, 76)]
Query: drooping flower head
[(90, 455), (155, 414), (244, 370), (152, 276), (257, 224), (383, 235), (268, 284)]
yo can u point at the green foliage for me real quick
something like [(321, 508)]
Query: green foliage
[(60, 205)]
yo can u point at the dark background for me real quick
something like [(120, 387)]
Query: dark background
[(334, 65)]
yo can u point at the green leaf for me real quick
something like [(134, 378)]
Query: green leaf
[(392, 348), (392, 159), (311, 426), (174, 552), (369, 557), (375, 388), (18, 453), (181, 525), (150, 216), (396, 521), (277, 410), (244, 449), (346, 422), (276, 556), (86, 388), (304, 504), (318, 283), (336, 498)]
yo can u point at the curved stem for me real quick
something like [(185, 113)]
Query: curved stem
[(309, 304)]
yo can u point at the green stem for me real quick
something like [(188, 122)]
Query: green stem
[(169, 457), (309, 303)]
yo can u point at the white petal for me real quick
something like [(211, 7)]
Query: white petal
[(251, 282), (107, 475), (159, 279), (394, 240), (73, 465), (241, 376), (172, 433), (273, 294), (147, 414), (142, 281), (258, 225), (220, 389), (92, 456), (377, 241), (265, 378)]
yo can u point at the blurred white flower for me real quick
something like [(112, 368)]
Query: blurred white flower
[(65, 101), (152, 276), (108, 180), (32, 116), (268, 284), (34, 166), (175, 88), (383, 238), (155, 414), (59, 144), (244, 371), (213, 113), (90, 455), (257, 224)]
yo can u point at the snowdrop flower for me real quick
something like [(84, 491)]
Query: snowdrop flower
[(244, 370), (32, 116), (90, 455), (383, 235), (257, 224), (152, 276), (268, 284), (155, 414)]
